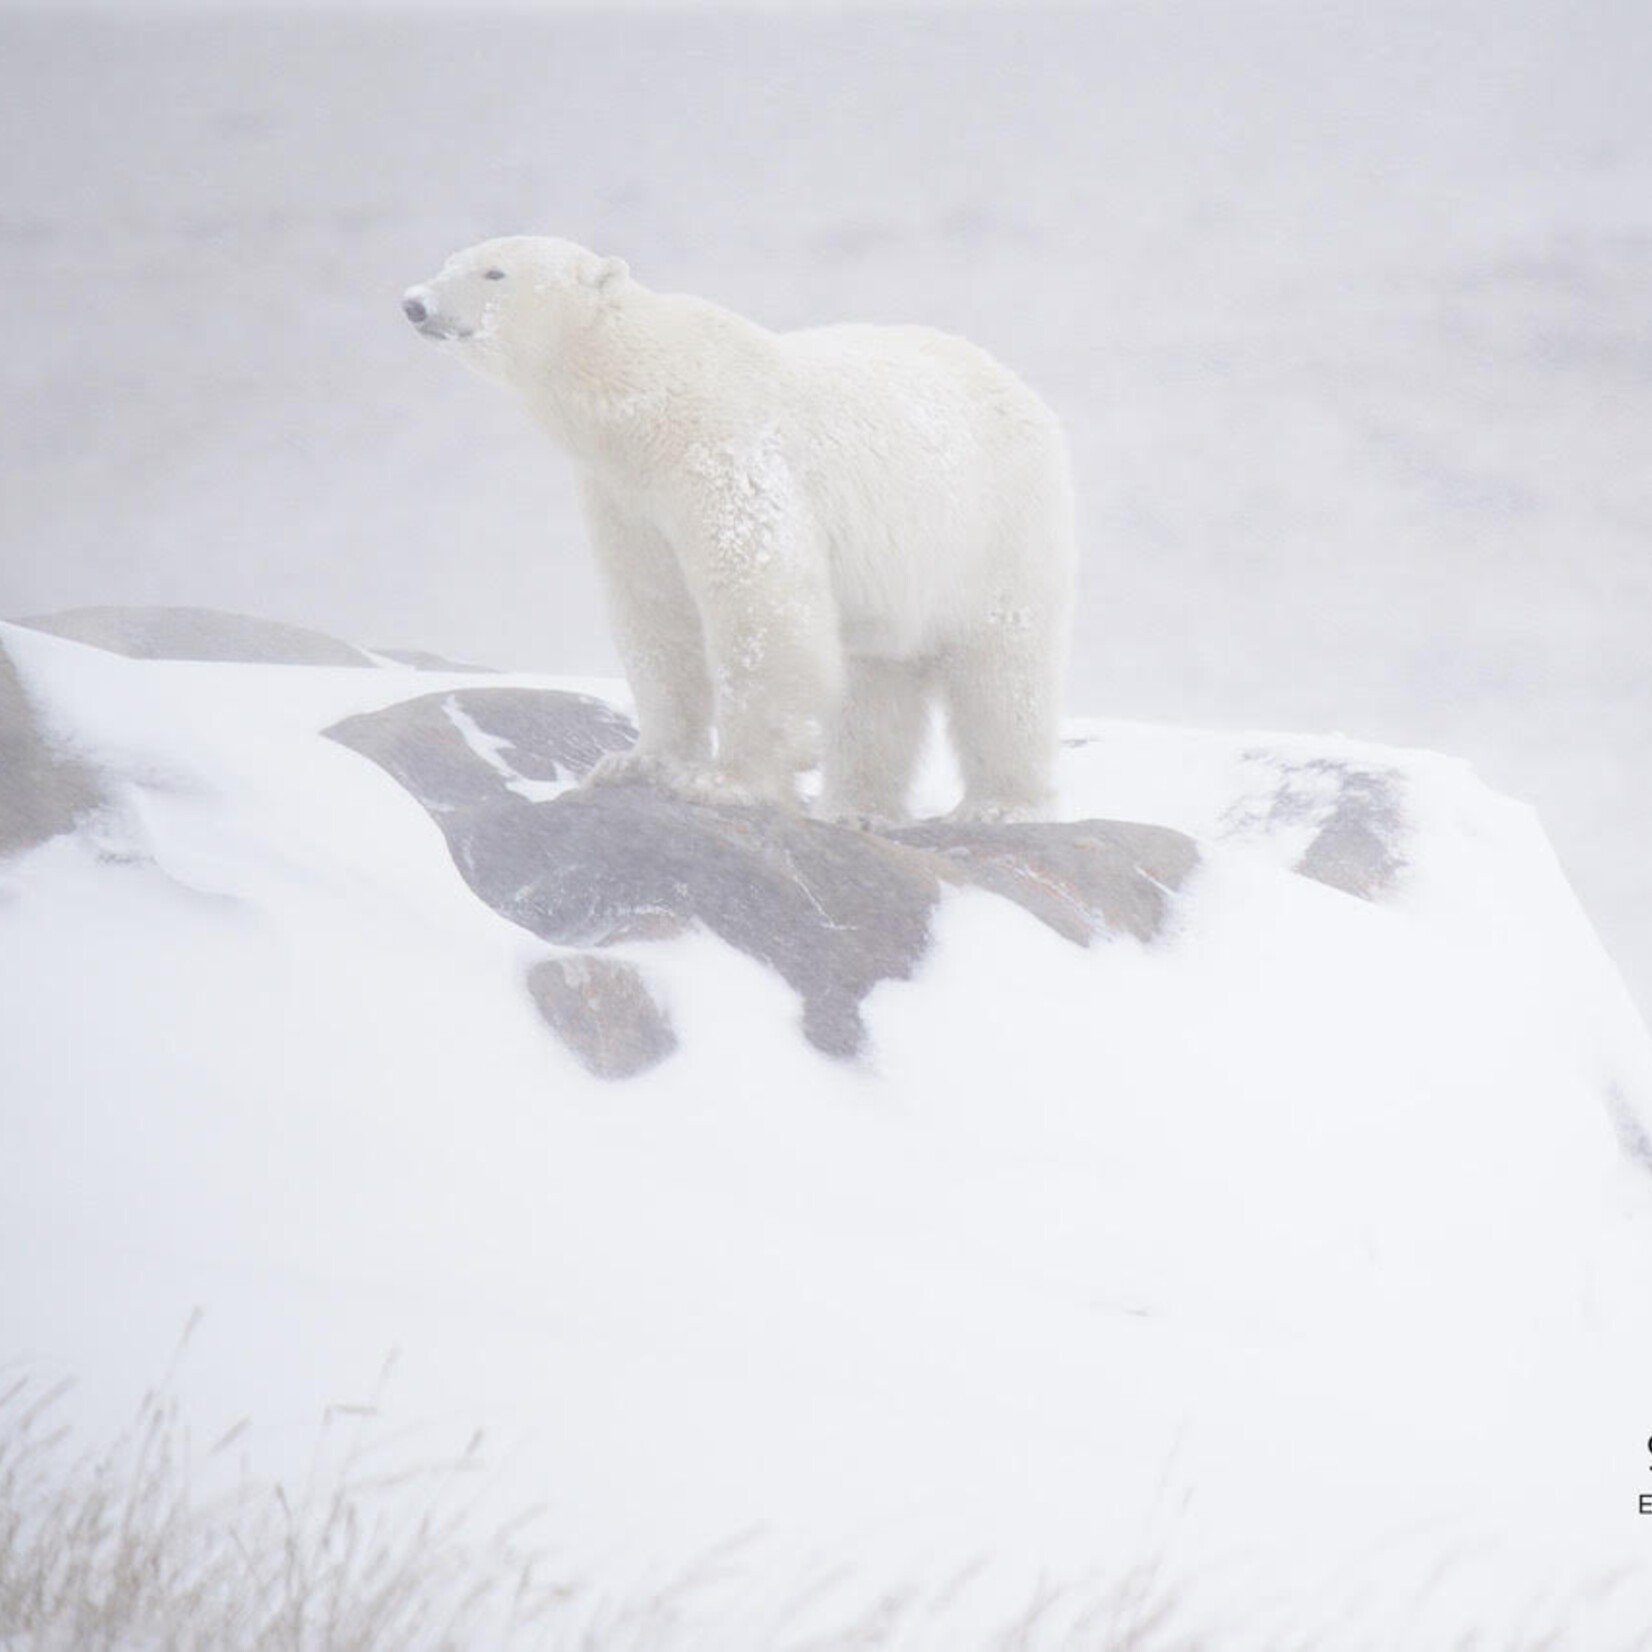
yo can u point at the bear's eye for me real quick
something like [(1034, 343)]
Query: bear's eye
[(493, 275)]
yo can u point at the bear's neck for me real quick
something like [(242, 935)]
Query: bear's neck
[(630, 377), (610, 385)]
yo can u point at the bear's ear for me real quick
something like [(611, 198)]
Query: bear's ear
[(609, 273)]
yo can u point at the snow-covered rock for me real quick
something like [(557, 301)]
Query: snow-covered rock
[(603, 1011), (1295, 1258), (42, 790), (833, 911), (473, 748), (172, 633), (197, 634)]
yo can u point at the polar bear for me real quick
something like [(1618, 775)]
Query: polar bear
[(804, 537)]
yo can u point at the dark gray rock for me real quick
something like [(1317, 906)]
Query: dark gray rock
[(1081, 879), (197, 634), (213, 634), (421, 659), (602, 1009), (833, 911), (531, 735), (1626, 1118), (1357, 848), (43, 791), (1356, 816)]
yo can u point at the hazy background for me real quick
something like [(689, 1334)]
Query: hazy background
[(1346, 307)]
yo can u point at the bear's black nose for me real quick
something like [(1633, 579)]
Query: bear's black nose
[(414, 310)]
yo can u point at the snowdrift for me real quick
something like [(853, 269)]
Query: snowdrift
[(1243, 1183)]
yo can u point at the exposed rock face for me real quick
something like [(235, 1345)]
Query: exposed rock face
[(1082, 879), (197, 634), (832, 910), (480, 746), (211, 634), (1356, 848), (42, 791), (603, 1011), (421, 659), (1352, 818)]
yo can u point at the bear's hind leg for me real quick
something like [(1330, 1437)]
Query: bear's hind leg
[(1002, 693), (873, 741)]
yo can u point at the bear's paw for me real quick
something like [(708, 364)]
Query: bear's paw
[(710, 783), (995, 812), (636, 768)]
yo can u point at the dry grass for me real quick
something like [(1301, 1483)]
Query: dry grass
[(118, 1551)]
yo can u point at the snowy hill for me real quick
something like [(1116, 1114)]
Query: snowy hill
[(1223, 1218)]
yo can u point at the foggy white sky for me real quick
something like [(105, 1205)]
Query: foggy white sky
[(1346, 308), (517, 8)]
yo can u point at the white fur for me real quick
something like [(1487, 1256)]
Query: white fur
[(804, 536)]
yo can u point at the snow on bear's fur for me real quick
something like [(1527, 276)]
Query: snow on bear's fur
[(804, 536)]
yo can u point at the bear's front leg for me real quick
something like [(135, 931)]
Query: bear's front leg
[(774, 682), (761, 584), (657, 631)]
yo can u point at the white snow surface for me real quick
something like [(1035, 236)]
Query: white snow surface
[(1300, 1256)]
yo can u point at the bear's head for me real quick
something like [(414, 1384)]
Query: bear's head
[(509, 304)]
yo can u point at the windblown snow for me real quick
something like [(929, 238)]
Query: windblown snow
[(1299, 1255)]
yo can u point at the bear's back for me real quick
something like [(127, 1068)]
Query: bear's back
[(905, 353)]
